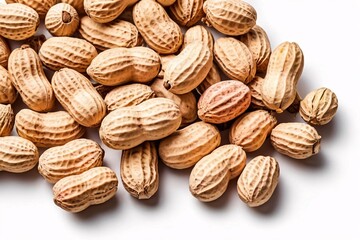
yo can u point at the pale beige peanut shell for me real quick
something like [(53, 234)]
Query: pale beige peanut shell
[(187, 12), (139, 170), (40, 6), (47, 129), (255, 88), (166, 3), (230, 17), (62, 20), (159, 31), (186, 102), (210, 176), (224, 101), (7, 119), (28, 77), (296, 140), (188, 69), (18, 21), (210, 79), (198, 34), (319, 106), (77, 192), (127, 127), (78, 97), (77, 4), (128, 95), (4, 52), (17, 155), (235, 59), (165, 59), (118, 33), (75, 157), (251, 129), (185, 147), (258, 180), (7, 91), (67, 52)]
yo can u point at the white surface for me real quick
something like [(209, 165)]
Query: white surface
[(316, 199)]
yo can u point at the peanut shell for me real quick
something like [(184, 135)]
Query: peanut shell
[(4, 52), (62, 20), (187, 12), (210, 79), (8, 93), (7, 119)]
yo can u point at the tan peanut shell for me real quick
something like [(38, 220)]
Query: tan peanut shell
[(159, 31), (47, 129), (40, 6), (62, 20), (17, 154), (210, 79), (128, 95), (255, 88), (77, 4), (28, 77), (118, 33), (296, 140), (210, 176), (258, 180), (104, 11), (4, 52), (18, 21), (319, 106), (186, 102), (7, 91), (199, 34), (75, 157), (188, 69), (259, 45), (77, 192), (166, 3), (165, 59), (185, 147), (284, 70), (121, 65), (127, 127), (67, 52), (78, 97), (7, 119), (250, 130), (139, 170), (187, 12), (235, 59), (224, 101), (35, 42), (230, 17)]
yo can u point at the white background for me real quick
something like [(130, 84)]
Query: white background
[(316, 198)]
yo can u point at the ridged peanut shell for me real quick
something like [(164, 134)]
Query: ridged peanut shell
[(210, 79), (121, 65), (73, 158), (230, 17), (284, 70), (165, 59), (159, 31), (28, 77), (77, 192), (8, 93), (78, 97), (47, 129), (255, 88), (187, 12), (235, 59), (210, 176), (4, 52), (188, 69), (224, 101), (139, 170), (199, 34), (17, 155), (127, 127), (185, 147), (258, 180), (296, 140), (18, 21), (319, 106), (67, 52), (40, 6), (251, 129), (62, 20), (77, 4), (7, 119)]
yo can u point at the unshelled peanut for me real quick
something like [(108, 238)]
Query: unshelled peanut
[(7, 119), (8, 93), (40, 6), (4, 52), (187, 12), (62, 20)]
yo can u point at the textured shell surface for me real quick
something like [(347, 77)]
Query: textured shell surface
[(8, 93), (166, 3), (187, 12), (62, 20), (159, 31), (296, 140), (4, 52), (75, 157), (40, 6), (185, 147), (127, 127), (224, 101), (199, 34), (7, 119), (258, 180), (78, 97), (17, 154), (210, 79), (165, 59), (121, 65), (47, 129), (255, 88), (70, 52), (235, 59), (210, 176), (77, 4), (251, 129), (139, 170), (77, 192), (28, 77)]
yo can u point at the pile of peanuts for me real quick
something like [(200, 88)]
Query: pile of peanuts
[(154, 92)]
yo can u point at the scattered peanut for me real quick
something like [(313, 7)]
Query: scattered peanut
[(62, 20), (7, 119), (4, 52), (77, 4), (40, 6), (210, 79), (187, 12), (7, 91)]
